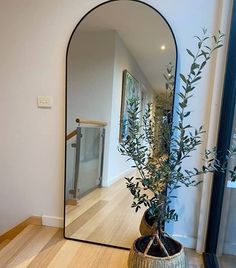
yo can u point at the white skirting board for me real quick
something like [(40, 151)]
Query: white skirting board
[(52, 221), (186, 241), (229, 248), (231, 184), (127, 173)]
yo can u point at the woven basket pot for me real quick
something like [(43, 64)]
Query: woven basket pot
[(137, 259), (146, 227)]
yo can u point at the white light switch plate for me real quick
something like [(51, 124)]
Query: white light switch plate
[(231, 184), (44, 101)]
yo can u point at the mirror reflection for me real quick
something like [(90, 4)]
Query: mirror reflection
[(122, 49)]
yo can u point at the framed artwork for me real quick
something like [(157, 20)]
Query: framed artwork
[(130, 89)]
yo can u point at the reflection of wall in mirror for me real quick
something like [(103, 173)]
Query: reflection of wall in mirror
[(90, 73), (95, 66)]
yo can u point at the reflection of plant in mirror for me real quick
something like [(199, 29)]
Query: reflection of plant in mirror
[(163, 113), (159, 176)]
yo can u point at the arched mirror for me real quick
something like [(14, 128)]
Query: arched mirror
[(120, 49)]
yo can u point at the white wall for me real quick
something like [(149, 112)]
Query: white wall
[(188, 202), (34, 37), (118, 166)]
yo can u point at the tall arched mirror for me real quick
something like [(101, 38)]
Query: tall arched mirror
[(120, 49)]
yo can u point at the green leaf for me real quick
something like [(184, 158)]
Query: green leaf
[(187, 114), (196, 79), (197, 37), (190, 53), (204, 53), (217, 47), (189, 89), (207, 47), (183, 78), (204, 30), (181, 95), (194, 66), (188, 126), (215, 39), (202, 65)]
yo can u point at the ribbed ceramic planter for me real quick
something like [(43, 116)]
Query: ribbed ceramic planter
[(138, 259), (145, 227)]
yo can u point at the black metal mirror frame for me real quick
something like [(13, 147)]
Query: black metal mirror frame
[(66, 76)]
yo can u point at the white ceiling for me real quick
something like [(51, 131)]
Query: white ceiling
[(142, 30)]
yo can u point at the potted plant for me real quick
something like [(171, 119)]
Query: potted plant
[(160, 175)]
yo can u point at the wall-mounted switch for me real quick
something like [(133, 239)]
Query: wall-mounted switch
[(44, 101)]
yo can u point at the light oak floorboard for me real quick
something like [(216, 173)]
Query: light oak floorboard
[(33, 248), (9, 252), (46, 255), (39, 247), (114, 223), (10, 234), (104, 193), (227, 261), (4, 243), (194, 260), (84, 218)]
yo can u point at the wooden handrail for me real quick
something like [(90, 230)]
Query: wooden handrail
[(86, 122), (91, 122), (71, 135)]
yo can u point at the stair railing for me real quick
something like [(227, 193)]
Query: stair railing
[(77, 132)]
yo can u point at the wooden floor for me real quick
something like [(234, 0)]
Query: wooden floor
[(227, 261), (38, 246), (105, 216), (102, 216)]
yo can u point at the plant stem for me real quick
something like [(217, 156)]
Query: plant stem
[(162, 245), (149, 245)]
